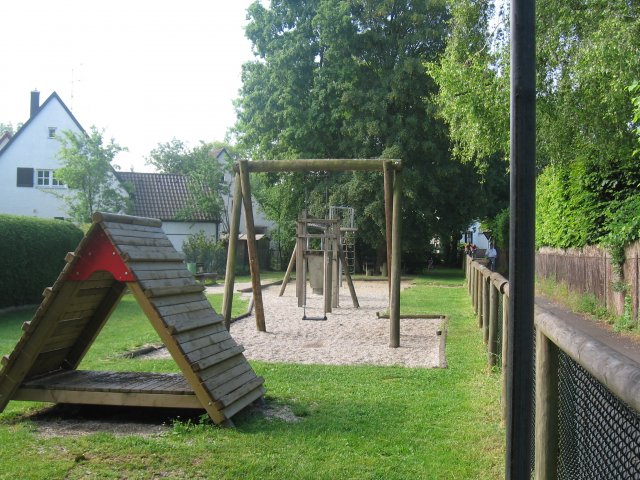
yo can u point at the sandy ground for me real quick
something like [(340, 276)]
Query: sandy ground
[(349, 336)]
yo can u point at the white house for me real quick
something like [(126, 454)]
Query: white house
[(475, 235), (28, 161), (28, 185)]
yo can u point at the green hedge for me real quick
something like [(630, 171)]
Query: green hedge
[(33, 251)]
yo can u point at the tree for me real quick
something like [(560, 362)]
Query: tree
[(88, 172), (340, 79), (587, 57)]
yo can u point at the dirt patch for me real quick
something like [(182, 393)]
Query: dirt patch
[(349, 336)]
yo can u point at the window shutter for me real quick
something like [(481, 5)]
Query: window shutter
[(25, 177)]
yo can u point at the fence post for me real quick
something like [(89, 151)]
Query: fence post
[(479, 298), (546, 428), (493, 323), (472, 276), (486, 287)]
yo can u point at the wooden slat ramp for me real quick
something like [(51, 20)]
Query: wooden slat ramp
[(121, 252)]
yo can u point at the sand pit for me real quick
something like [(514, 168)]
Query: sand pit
[(349, 336)]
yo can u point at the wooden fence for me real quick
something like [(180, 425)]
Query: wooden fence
[(618, 374), (589, 270)]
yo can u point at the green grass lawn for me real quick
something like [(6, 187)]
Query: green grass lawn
[(355, 422)]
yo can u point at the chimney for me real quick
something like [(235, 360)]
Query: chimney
[(35, 102)]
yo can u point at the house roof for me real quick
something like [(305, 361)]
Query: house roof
[(53, 96), (162, 195)]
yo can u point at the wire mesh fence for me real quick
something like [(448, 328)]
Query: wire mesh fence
[(599, 435)]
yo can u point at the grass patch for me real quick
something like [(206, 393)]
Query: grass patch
[(588, 305), (355, 422)]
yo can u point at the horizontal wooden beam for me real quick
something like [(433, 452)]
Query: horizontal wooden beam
[(617, 372), (128, 399), (321, 165), (98, 217)]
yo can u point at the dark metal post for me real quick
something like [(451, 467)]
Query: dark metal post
[(521, 241)]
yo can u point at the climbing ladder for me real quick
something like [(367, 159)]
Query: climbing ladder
[(348, 229)]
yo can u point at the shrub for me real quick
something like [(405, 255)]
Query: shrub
[(33, 256)]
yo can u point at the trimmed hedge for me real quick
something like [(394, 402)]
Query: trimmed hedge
[(33, 251)]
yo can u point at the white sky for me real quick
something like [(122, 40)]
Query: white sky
[(144, 70)]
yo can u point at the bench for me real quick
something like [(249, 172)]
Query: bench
[(204, 276)]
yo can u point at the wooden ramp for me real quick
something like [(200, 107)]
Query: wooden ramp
[(121, 252)]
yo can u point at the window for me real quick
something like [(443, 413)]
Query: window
[(25, 177), (47, 178), (52, 132)]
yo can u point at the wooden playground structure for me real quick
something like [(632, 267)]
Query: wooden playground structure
[(121, 253), (392, 171)]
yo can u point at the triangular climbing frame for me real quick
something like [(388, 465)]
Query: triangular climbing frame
[(120, 251)]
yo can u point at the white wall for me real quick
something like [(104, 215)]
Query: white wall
[(259, 218), (478, 237), (34, 149), (179, 231)]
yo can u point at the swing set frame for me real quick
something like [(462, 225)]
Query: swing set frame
[(392, 171)]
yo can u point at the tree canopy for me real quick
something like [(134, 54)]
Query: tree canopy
[(587, 56), (336, 79), (88, 172)]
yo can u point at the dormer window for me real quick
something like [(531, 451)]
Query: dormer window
[(52, 132)]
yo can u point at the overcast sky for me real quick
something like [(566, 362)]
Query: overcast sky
[(144, 70)]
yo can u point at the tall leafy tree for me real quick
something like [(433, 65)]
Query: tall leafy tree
[(587, 57), (87, 170), (336, 79)]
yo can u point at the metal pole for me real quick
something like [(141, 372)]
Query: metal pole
[(521, 241)]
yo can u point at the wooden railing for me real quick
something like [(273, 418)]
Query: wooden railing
[(619, 374)]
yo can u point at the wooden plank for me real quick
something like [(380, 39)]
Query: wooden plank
[(319, 165), (124, 232), (101, 217), (221, 367), (193, 345), (180, 326), (243, 402), (287, 275), (180, 308), (215, 381), (198, 333), (149, 399), (112, 226), (167, 266), (171, 291), (15, 371), (217, 358), (211, 349), (143, 275), (98, 292), (234, 395), (168, 282), (93, 327), (159, 241), (48, 362), (232, 384), (202, 394), (177, 300), (150, 254)]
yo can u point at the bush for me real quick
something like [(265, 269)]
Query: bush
[(198, 248), (33, 251)]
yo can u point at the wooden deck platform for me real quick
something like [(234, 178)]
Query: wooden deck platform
[(111, 388)]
